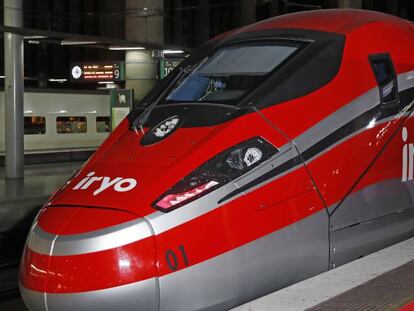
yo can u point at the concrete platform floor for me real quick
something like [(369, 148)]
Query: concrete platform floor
[(13, 305), (20, 199), (39, 181), (389, 291)]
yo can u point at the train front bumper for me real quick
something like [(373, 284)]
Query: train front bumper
[(112, 268), (135, 296)]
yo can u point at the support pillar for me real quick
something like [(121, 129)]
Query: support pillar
[(392, 7), (344, 4), (13, 91), (178, 27), (203, 22), (352, 4), (140, 72), (245, 12), (368, 4), (144, 23)]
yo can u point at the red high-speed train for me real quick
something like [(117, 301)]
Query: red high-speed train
[(275, 152)]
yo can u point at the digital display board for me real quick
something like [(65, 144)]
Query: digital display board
[(85, 72)]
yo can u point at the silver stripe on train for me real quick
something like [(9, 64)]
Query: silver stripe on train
[(163, 222), (342, 116), (280, 258), (99, 240)]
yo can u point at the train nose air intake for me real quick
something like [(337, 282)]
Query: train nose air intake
[(69, 268)]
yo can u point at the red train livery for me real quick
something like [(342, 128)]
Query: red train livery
[(275, 152)]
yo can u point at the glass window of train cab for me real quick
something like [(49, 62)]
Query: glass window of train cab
[(231, 72), (71, 125), (385, 75), (102, 124), (34, 125)]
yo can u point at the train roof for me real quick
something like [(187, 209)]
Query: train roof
[(340, 21)]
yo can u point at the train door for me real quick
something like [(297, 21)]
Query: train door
[(379, 209)]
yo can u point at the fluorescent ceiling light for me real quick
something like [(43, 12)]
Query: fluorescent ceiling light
[(34, 37), (73, 42), (58, 80), (124, 48), (1, 77), (105, 82), (173, 51)]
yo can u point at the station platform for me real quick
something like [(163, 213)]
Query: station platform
[(18, 196), (20, 200)]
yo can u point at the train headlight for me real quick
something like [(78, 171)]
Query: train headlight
[(216, 172)]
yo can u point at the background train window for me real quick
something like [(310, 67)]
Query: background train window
[(71, 125), (386, 78), (102, 124), (34, 125)]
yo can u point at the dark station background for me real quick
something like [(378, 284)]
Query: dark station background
[(186, 23)]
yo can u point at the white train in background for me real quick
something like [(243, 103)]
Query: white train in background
[(60, 126)]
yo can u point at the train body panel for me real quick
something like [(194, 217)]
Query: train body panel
[(281, 258), (240, 180), (380, 209)]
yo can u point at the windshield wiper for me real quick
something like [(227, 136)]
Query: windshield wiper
[(140, 121)]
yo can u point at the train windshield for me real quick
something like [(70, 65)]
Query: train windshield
[(230, 73)]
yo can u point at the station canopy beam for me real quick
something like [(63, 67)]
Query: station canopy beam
[(64, 38)]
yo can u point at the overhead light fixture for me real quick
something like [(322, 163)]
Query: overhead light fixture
[(124, 48), (34, 37), (1, 77), (58, 80), (173, 51), (33, 41), (74, 42), (106, 82)]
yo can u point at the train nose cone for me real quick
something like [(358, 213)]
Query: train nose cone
[(106, 262)]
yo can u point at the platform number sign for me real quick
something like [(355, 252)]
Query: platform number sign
[(168, 65)]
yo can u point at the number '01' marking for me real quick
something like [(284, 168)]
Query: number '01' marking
[(172, 259)]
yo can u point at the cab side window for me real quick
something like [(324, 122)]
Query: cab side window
[(387, 80)]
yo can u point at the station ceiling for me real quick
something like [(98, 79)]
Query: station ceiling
[(64, 38)]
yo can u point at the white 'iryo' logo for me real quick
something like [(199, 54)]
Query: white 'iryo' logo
[(407, 158), (119, 184)]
